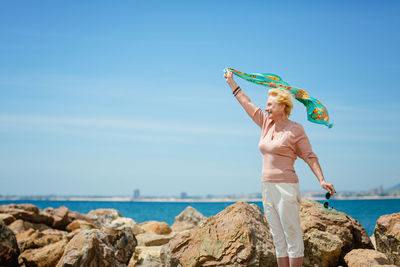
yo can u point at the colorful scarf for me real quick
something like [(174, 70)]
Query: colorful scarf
[(316, 111)]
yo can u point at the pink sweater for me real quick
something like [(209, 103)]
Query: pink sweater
[(280, 153)]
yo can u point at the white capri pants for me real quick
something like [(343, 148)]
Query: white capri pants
[(281, 203)]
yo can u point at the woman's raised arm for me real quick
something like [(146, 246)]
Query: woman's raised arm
[(252, 110)]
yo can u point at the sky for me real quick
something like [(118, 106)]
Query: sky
[(104, 97)]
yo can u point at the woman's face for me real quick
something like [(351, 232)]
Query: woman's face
[(274, 109)]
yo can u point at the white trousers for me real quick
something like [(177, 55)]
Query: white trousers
[(281, 203)]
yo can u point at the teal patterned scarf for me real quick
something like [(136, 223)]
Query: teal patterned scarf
[(316, 111)]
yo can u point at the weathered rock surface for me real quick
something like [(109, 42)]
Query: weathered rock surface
[(123, 221), (387, 236), (237, 236), (148, 239), (155, 227), (27, 212), (36, 239), (324, 248), (105, 247), (146, 256), (9, 250), (187, 219), (103, 217), (366, 257), (349, 231), (46, 256), (6, 218)]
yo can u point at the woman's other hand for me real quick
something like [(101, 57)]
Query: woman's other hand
[(329, 187)]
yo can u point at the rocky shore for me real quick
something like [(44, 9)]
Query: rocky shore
[(237, 236)]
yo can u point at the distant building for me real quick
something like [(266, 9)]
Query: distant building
[(136, 194), (184, 195), (378, 191)]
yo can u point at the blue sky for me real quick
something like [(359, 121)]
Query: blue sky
[(101, 97)]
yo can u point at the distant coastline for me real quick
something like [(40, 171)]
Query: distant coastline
[(175, 199), (373, 194)]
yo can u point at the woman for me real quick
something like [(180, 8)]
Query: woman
[(282, 140)]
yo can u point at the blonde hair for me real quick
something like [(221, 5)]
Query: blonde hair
[(282, 97)]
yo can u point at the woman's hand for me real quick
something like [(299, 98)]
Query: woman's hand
[(329, 187), (228, 76)]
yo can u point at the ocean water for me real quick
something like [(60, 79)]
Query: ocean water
[(365, 211)]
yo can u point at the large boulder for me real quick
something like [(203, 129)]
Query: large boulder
[(366, 257), (187, 219), (46, 256), (342, 231), (27, 212), (324, 247), (36, 239), (155, 227), (387, 236), (105, 247), (9, 250), (237, 236), (103, 217)]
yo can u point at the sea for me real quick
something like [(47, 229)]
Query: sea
[(365, 211)]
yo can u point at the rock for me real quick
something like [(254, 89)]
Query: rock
[(122, 221), (36, 239), (146, 256), (324, 247), (60, 217), (6, 218), (123, 241), (314, 216), (387, 236), (27, 212), (148, 239), (25, 207), (187, 219), (9, 250), (237, 236), (20, 226), (160, 228), (80, 225), (46, 256), (366, 257), (103, 217), (95, 247)]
